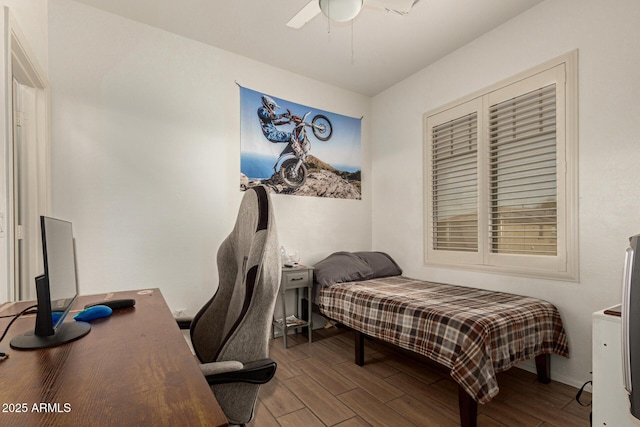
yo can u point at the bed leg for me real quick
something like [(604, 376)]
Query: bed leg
[(359, 338), (468, 409), (543, 368)]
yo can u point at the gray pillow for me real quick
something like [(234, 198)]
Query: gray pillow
[(381, 264), (341, 267)]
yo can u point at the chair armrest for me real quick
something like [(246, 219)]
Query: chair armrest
[(258, 372), (184, 322), (218, 368)]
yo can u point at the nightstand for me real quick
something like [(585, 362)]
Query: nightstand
[(299, 277)]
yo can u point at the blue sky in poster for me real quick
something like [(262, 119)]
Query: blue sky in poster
[(342, 151)]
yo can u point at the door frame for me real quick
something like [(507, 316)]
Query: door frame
[(20, 63)]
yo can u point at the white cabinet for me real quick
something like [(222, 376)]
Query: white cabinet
[(610, 400)]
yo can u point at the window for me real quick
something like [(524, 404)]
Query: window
[(501, 176)]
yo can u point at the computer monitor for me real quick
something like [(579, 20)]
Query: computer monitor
[(56, 290)]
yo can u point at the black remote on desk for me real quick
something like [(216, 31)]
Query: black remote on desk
[(114, 304)]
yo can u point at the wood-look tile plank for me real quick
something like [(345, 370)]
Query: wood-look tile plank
[(485, 421), (373, 348), (374, 385), (419, 413), (425, 372), (339, 348), (354, 422), (286, 370), (576, 409), (369, 408), (286, 361), (346, 339), (506, 415), (324, 354), (378, 366), (278, 399), (318, 400), (327, 377), (289, 354), (302, 417), (544, 410), (409, 362), (442, 404), (530, 380), (551, 398), (264, 416)]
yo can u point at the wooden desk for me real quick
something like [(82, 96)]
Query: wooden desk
[(133, 369)]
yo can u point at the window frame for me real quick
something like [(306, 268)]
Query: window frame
[(562, 266)]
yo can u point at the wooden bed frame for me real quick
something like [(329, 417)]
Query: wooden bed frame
[(468, 407)]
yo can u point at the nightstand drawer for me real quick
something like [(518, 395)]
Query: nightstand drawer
[(296, 279)]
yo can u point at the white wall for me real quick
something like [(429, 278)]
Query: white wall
[(30, 16), (607, 36), (146, 155)]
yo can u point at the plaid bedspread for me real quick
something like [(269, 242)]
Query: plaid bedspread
[(476, 333)]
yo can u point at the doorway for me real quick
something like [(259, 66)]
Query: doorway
[(28, 258), (27, 166)]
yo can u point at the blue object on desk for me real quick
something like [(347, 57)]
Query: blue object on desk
[(55, 316), (95, 312)]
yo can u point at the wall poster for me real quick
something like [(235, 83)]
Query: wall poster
[(296, 149)]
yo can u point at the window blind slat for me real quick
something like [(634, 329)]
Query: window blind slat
[(454, 178), (540, 110), (523, 174), (528, 98), (530, 139)]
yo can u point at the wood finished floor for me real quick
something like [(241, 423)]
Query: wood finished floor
[(318, 384)]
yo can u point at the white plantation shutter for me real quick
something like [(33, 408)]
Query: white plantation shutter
[(454, 152), (501, 176), (522, 174)]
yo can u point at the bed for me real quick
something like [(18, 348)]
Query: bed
[(475, 333)]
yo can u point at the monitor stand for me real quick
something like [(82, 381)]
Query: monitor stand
[(68, 331)]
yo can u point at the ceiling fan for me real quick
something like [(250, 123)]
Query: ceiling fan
[(346, 10)]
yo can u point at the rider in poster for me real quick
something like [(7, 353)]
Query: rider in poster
[(269, 119)]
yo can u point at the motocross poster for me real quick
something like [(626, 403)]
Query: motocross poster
[(298, 150)]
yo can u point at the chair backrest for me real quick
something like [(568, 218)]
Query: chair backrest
[(236, 323), (249, 269)]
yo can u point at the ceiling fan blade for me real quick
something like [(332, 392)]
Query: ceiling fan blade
[(306, 14), (400, 6)]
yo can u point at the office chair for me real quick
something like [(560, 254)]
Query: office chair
[(230, 334)]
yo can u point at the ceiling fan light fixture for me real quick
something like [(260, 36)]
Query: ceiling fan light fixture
[(341, 10)]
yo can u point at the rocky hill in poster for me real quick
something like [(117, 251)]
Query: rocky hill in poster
[(323, 181)]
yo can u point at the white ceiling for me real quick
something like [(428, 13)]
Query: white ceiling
[(378, 50)]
